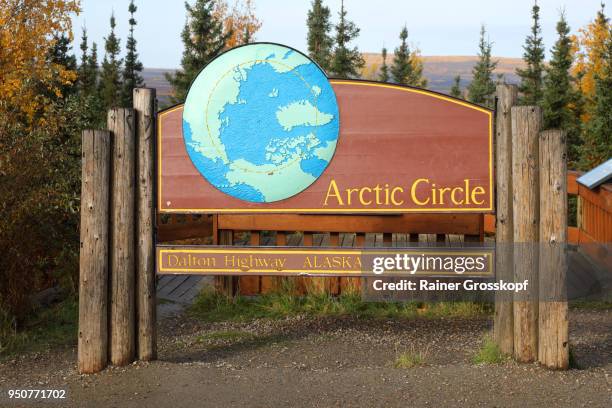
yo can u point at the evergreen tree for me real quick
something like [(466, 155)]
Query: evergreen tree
[(346, 62), (94, 67), (401, 70), (132, 69), (110, 80), (559, 95), (85, 76), (62, 59), (203, 38), (384, 68), (407, 69), (320, 42), (482, 88), (456, 89), (531, 76), (598, 134)]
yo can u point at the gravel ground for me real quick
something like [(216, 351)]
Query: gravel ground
[(323, 362)]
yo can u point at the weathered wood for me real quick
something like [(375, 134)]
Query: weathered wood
[(415, 223), (526, 124), (123, 181), (553, 348), (250, 285), (144, 109), (226, 284), (503, 326), (93, 269)]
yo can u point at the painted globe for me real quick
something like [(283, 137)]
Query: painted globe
[(261, 122)]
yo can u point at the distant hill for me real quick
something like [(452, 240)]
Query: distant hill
[(439, 70)]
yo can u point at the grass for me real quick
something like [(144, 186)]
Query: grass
[(489, 353), (410, 359), (54, 326), (591, 304), (213, 307)]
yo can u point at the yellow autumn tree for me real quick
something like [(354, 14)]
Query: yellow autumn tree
[(589, 45), (29, 30), (239, 20)]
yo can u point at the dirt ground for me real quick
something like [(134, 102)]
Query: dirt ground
[(323, 362)]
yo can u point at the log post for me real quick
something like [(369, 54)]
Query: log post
[(526, 124), (144, 109), (503, 326), (123, 182), (553, 348), (93, 282)]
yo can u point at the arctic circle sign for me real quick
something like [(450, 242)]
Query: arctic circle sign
[(263, 130), (261, 122)]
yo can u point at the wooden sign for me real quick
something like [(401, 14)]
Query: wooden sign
[(352, 146), (475, 262)]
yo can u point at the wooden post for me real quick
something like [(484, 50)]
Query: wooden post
[(227, 284), (144, 109), (503, 326), (526, 124), (553, 349), (122, 299), (93, 282)]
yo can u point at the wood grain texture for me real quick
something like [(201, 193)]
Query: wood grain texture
[(144, 109), (526, 124), (250, 285), (94, 262), (503, 325), (553, 347), (385, 136), (123, 273), (227, 285), (414, 223)]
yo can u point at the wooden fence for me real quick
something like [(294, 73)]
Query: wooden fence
[(593, 213)]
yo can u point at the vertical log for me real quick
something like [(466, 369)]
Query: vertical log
[(334, 242), (93, 282), (123, 272), (144, 108), (251, 285), (227, 284), (526, 124), (553, 349), (503, 325)]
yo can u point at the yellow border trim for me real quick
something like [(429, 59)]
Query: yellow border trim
[(477, 210), (356, 252)]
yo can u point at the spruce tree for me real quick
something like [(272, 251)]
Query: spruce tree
[(60, 55), (320, 42), (482, 88), (132, 69), (203, 39), (110, 80), (87, 78), (559, 95), (456, 89), (346, 62), (401, 70), (531, 77), (597, 146), (406, 68), (384, 68)]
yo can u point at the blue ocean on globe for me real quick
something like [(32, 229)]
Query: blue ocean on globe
[(261, 129)]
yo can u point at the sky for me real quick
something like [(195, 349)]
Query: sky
[(436, 27)]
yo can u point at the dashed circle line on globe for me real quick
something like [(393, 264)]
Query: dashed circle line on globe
[(291, 70)]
